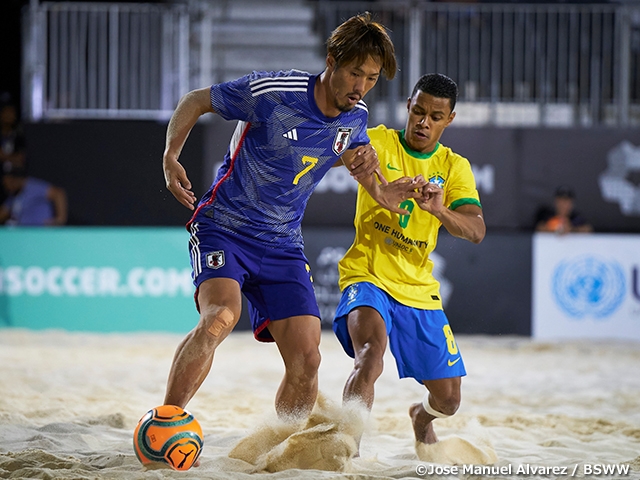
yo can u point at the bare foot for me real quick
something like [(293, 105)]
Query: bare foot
[(422, 424)]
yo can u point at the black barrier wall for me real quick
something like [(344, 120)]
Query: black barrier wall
[(601, 165), (112, 172)]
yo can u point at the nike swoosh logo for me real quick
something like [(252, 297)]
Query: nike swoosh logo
[(391, 167), (451, 364)]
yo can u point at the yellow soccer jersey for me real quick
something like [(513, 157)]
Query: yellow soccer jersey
[(391, 250)]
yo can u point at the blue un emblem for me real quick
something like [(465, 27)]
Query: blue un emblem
[(589, 286)]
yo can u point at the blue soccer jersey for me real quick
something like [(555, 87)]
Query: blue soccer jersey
[(282, 147)]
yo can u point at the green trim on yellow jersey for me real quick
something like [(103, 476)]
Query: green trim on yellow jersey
[(464, 201), (413, 153)]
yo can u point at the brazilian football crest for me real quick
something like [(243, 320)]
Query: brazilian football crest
[(215, 259), (437, 179), (342, 140), (352, 293)]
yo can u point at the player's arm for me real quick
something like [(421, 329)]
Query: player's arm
[(388, 195), (58, 197), (363, 164), (190, 107), (466, 221)]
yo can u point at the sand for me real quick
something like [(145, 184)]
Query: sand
[(69, 403)]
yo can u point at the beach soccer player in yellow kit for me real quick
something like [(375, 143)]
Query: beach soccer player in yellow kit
[(389, 294)]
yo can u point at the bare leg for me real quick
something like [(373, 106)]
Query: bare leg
[(298, 339), (220, 305), (444, 397), (422, 424), (369, 337)]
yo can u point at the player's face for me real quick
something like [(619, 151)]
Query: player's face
[(428, 117), (350, 83)]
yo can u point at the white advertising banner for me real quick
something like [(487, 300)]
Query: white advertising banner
[(586, 286)]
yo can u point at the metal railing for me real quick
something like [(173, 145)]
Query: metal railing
[(554, 64), (515, 64), (105, 60)]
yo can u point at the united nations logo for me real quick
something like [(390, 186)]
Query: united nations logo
[(588, 286)]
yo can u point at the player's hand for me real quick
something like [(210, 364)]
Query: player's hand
[(404, 188), (431, 198), (365, 163), (178, 183)]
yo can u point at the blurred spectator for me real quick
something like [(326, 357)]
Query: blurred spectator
[(562, 217), (12, 141), (31, 201)]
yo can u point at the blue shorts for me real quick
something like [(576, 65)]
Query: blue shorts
[(275, 281), (421, 341)]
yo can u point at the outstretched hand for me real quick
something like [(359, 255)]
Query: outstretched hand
[(402, 189), (178, 183)]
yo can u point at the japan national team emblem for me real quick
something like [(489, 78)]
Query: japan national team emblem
[(215, 259), (342, 140)]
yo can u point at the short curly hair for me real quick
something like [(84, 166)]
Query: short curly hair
[(438, 85)]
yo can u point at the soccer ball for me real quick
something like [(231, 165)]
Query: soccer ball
[(168, 434)]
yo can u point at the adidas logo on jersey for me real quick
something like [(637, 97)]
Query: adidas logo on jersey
[(291, 134)]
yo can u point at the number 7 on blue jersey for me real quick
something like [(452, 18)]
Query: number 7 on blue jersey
[(311, 161)]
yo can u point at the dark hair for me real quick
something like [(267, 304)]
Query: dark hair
[(565, 191), (438, 85), (361, 37)]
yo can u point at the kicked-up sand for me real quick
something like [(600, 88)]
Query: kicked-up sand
[(69, 403)]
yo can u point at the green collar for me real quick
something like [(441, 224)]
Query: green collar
[(413, 153)]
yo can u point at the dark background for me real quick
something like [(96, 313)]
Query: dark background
[(112, 170), (10, 47)]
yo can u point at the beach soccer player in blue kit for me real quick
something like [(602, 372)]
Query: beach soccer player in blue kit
[(246, 230)]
